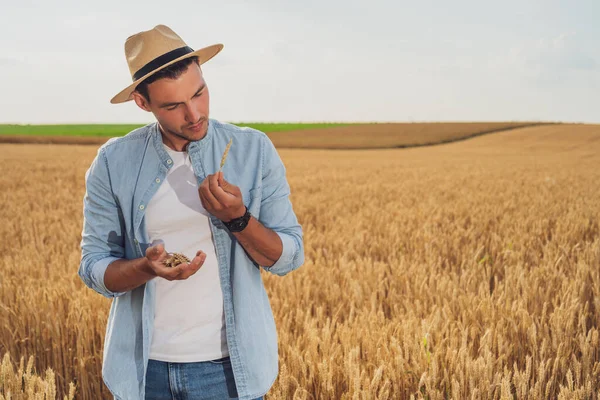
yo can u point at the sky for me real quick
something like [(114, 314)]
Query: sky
[(313, 60)]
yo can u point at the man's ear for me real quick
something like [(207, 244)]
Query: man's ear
[(141, 101)]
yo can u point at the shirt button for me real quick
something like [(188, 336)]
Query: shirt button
[(157, 180), (169, 161), (142, 207)]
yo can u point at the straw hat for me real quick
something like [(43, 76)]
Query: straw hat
[(150, 51)]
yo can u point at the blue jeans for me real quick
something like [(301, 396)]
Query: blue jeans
[(190, 381)]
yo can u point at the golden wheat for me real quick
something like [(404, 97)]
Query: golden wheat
[(467, 270), (25, 384), (225, 154)]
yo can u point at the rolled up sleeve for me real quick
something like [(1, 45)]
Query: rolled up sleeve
[(102, 239), (277, 214)]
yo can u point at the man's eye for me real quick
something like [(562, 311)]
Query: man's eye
[(198, 94), (172, 108)]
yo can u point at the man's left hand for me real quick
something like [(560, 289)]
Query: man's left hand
[(221, 198)]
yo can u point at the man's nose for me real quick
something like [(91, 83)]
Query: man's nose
[(191, 114)]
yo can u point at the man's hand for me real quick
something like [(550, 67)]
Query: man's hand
[(224, 201), (155, 256), (221, 198)]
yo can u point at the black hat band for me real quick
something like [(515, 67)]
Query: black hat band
[(161, 60)]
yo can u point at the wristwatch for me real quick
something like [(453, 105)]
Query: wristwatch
[(238, 224)]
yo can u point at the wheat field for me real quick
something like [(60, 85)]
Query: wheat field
[(465, 271)]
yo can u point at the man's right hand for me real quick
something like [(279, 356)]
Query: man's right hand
[(155, 256)]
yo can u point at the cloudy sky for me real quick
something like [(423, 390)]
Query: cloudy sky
[(314, 60)]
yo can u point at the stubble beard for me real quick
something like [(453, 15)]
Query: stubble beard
[(182, 136)]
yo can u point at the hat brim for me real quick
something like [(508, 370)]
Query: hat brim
[(203, 55)]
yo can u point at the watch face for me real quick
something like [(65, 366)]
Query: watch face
[(238, 224)]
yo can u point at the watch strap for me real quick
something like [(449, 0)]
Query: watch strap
[(238, 224)]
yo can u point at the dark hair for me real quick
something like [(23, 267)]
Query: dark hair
[(173, 71)]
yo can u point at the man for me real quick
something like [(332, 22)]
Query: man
[(202, 329)]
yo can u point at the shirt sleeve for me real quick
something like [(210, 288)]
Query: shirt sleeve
[(102, 239), (276, 212)]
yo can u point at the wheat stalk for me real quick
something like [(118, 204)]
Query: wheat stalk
[(225, 154)]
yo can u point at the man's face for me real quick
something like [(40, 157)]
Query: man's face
[(181, 105)]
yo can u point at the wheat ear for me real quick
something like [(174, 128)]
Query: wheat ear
[(225, 154)]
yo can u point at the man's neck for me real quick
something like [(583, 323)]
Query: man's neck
[(174, 142)]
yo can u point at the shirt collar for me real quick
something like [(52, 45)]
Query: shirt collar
[(197, 146)]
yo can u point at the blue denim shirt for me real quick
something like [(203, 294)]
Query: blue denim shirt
[(120, 182)]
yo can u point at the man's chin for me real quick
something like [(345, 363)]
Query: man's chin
[(196, 133), (188, 134)]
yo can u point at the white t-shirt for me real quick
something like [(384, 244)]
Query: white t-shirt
[(189, 322)]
